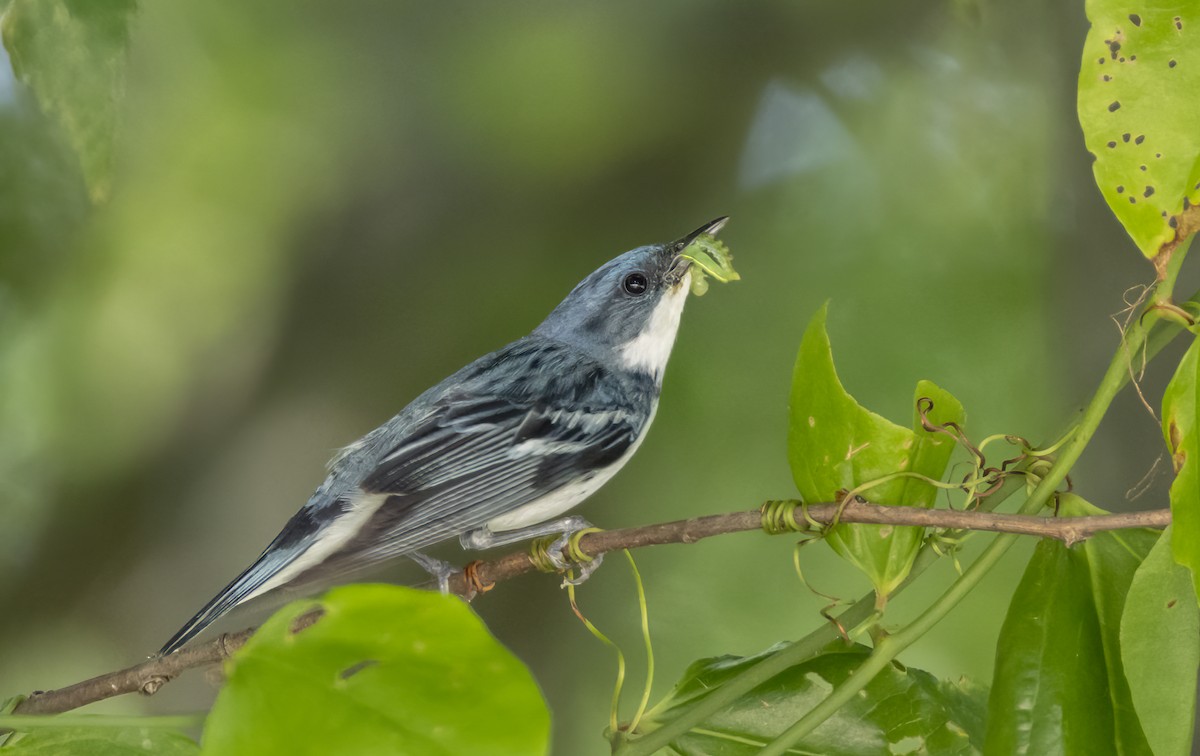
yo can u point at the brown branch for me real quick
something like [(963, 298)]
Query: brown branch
[(152, 674)]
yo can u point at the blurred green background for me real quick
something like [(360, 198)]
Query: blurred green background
[(318, 210)]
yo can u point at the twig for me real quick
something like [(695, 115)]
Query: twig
[(150, 675)]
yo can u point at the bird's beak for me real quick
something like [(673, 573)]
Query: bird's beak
[(679, 264), (712, 228)]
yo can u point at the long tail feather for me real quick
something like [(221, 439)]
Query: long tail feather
[(245, 584), (312, 534)]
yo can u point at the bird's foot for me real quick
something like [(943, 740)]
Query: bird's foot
[(546, 554), (437, 569), (568, 542), (475, 583)]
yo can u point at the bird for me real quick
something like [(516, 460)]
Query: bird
[(499, 451)]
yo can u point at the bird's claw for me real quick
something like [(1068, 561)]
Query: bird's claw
[(475, 583), (554, 553), (585, 571)]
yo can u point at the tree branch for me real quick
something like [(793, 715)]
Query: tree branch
[(152, 674)]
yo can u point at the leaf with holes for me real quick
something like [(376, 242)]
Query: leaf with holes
[(71, 55), (1160, 646), (835, 445), (1140, 70), (103, 741), (385, 670), (902, 710), (1181, 426)]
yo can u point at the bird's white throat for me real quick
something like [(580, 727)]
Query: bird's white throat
[(650, 349)]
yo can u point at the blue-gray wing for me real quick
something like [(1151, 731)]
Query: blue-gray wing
[(480, 458)]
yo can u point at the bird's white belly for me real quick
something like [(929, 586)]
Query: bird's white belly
[(567, 497)]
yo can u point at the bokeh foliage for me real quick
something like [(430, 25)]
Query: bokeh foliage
[(312, 213), (71, 54)]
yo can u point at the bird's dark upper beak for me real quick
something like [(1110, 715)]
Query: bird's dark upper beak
[(679, 265), (712, 228)]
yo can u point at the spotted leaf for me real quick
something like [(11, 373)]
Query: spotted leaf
[(1140, 70)]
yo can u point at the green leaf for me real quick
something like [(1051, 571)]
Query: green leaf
[(103, 741), (834, 444), (1182, 431), (1141, 64), (1160, 647), (903, 710), (1050, 688), (1113, 558), (1060, 684), (385, 670), (71, 54)]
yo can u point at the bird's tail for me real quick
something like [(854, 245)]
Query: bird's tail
[(243, 587)]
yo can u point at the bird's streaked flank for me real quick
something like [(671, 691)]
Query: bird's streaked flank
[(500, 450)]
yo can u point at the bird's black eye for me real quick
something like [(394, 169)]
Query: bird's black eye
[(635, 284)]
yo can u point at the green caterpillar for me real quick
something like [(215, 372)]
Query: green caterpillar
[(710, 257)]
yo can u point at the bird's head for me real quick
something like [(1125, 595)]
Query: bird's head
[(628, 310)]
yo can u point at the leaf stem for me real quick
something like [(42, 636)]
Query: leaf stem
[(613, 715), (641, 592)]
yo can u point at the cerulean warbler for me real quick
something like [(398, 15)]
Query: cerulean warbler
[(497, 451)]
